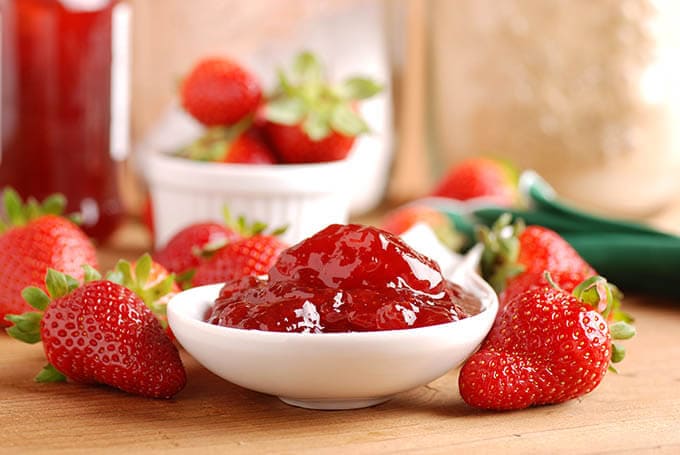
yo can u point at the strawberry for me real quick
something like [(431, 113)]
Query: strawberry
[(515, 254), (404, 218), (252, 255), (150, 281), (480, 177), (183, 252), (295, 145), (241, 143), (546, 346), (34, 238), (310, 120), (219, 92), (100, 332)]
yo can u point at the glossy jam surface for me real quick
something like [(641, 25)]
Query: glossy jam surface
[(346, 278)]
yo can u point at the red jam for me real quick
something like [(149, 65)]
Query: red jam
[(346, 278)]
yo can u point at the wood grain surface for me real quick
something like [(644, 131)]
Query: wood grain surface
[(636, 411)]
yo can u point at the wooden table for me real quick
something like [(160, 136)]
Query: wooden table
[(634, 411)]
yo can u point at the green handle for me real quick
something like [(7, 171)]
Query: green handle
[(644, 263)]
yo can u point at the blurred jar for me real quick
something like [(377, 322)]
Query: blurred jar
[(585, 92), (57, 130)]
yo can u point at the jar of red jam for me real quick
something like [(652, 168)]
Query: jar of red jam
[(58, 130)]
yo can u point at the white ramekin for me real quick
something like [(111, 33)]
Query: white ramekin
[(306, 197)]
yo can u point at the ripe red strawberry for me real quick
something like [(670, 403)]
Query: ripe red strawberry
[(404, 218), (479, 177), (152, 282), (217, 92), (33, 239), (294, 145), (309, 120), (517, 256), (249, 148), (182, 254), (545, 347), (249, 256), (100, 332)]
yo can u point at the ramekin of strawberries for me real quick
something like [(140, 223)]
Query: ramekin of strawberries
[(276, 157)]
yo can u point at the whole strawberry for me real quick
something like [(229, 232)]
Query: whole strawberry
[(100, 332), (310, 120), (479, 177), (219, 92), (546, 346), (33, 238), (254, 254), (185, 250), (516, 256), (296, 145)]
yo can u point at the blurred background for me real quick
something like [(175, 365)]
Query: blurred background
[(584, 92)]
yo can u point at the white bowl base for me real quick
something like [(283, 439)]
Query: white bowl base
[(335, 405)]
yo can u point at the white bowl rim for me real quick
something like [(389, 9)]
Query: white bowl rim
[(210, 166), (489, 305)]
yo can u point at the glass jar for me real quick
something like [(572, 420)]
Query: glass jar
[(57, 106)]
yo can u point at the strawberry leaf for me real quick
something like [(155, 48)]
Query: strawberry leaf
[(284, 85), (14, 207), (618, 353), (54, 204), (622, 331), (26, 326), (115, 276), (316, 127), (279, 230), (91, 274), (285, 111), (258, 227), (499, 261), (307, 68), (143, 269), (184, 278), (358, 88), (49, 374), (344, 120), (36, 297), (57, 284), (32, 209)]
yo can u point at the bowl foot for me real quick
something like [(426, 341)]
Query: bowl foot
[(333, 404)]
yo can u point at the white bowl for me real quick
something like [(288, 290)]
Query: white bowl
[(330, 370), (306, 197)]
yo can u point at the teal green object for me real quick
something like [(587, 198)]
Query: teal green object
[(634, 256)]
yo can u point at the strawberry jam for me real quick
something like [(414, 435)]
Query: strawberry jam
[(346, 278)]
